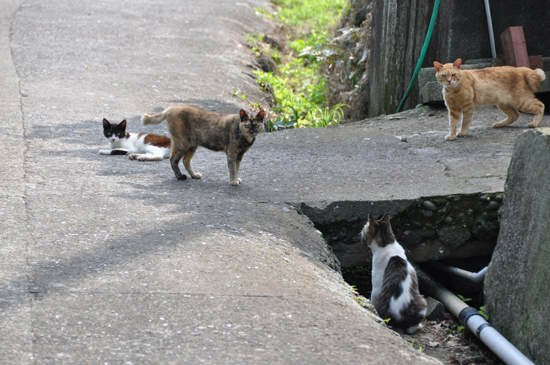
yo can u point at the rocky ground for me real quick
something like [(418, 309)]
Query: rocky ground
[(447, 341)]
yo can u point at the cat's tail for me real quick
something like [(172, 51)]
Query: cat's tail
[(154, 118), (535, 78)]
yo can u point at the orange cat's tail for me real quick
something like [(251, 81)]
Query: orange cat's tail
[(153, 119), (534, 78)]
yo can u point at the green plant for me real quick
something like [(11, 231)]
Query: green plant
[(483, 312), (254, 41), (298, 90), (359, 299), (317, 14), (463, 298)]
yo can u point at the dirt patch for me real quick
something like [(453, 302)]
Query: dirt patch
[(449, 342)]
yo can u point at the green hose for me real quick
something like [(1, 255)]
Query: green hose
[(422, 54)]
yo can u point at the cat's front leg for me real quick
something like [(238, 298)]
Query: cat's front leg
[(454, 117), (467, 114), (232, 165), (116, 151)]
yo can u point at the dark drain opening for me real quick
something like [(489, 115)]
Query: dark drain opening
[(454, 230), (458, 230)]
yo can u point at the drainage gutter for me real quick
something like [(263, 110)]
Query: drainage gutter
[(475, 322)]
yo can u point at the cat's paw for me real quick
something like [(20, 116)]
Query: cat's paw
[(235, 182), (196, 175), (412, 330), (450, 137), (461, 134), (533, 125), (501, 124), (133, 156), (181, 178)]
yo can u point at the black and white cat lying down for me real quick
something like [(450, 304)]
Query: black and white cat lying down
[(395, 292), (138, 146)]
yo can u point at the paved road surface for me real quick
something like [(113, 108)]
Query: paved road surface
[(106, 260)]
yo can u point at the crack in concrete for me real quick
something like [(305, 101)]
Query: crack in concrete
[(25, 169)]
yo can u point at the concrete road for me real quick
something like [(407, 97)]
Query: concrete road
[(106, 260)]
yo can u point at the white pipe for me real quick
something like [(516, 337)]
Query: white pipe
[(474, 277), (475, 322), (490, 29)]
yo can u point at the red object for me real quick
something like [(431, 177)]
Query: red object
[(536, 61), (514, 47)]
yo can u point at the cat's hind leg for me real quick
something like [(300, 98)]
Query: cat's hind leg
[(152, 153), (145, 157), (175, 158), (511, 116), (533, 106), (187, 163), (467, 113)]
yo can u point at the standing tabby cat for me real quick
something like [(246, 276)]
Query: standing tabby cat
[(191, 127), (395, 292), (510, 88)]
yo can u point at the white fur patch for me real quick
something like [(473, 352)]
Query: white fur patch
[(138, 149), (380, 258), (397, 305)]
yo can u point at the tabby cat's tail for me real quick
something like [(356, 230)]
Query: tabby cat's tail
[(154, 118), (535, 78)]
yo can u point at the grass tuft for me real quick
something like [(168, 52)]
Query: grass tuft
[(298, 89)]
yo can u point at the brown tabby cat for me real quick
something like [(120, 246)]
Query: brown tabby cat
[(191, 127), (510, 88)]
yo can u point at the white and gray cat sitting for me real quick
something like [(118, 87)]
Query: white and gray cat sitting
[(395, 292), (138, 146)]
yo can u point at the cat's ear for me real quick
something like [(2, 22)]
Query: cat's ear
[(261, 115), (371, 220), (243, 115), (457, 63), (386, 219), (106, 123), (122, 124), (438, 65)]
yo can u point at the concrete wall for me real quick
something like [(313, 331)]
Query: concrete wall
[(516, 286)]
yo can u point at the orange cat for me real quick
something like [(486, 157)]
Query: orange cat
[(510, 88)]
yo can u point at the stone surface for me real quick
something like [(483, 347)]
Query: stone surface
[(436, 310), (516, 286), (441, 227)]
